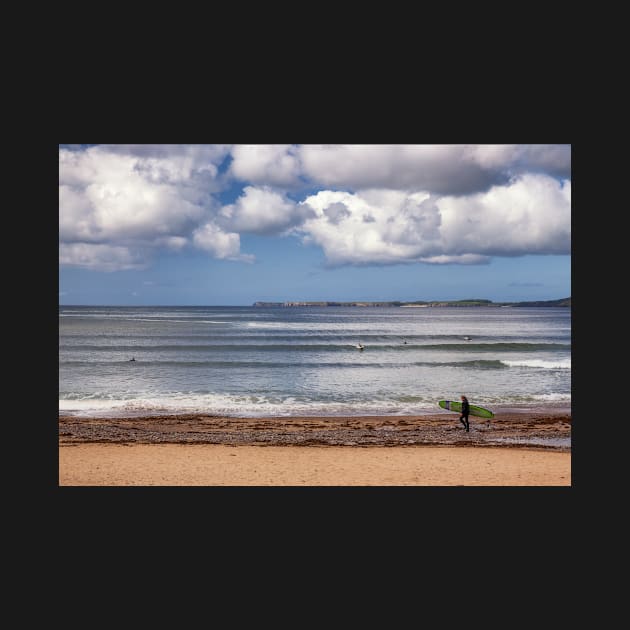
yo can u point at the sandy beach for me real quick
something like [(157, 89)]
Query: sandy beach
[(513, 449), (218, 465)]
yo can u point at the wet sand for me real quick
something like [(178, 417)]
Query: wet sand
[(530, 448)]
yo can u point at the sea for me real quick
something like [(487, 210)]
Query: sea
[(305, 361)]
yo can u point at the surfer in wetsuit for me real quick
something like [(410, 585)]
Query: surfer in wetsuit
[(465, 411)]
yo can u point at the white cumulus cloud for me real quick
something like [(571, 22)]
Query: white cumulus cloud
[(261, 210), (132, 200), (272, 164), (119, 205), (531, 214), (220, 244)]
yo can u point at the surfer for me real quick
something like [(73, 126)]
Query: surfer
[(360, 346), (465, 411), (132, 359)]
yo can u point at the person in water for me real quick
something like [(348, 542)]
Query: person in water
[(465, 411)]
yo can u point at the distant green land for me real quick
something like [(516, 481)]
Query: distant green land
[(424, 304)]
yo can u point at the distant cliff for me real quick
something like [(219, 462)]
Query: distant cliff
[(419, 303), (325, 303), (562, 302)]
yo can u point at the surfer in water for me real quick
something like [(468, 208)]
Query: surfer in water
[(132, 359), (465, 411)]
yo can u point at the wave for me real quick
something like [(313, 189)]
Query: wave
[(498, 347), (480, 364), (148, 318), (319, 347), (140, 364), (246, 336), (242, 347), (262, 405), (557, 364)]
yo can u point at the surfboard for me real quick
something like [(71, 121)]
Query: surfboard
[(454, 405)]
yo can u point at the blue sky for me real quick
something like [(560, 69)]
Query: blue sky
[(234, 224)]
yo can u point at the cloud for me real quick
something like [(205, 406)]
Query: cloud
[(100, 257), (132, 200), (401, 227), (119, 205), (532, 214), (220, 244), (195, 156), (336, 212), (272, 164), (261, 211), (439, 169)]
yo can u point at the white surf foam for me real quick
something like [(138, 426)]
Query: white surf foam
[(557, 364)]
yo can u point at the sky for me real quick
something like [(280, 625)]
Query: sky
[(230, 225)]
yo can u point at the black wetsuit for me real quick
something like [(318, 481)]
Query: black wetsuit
[(464, 417)]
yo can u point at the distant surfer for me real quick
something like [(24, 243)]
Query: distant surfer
[(465, 411), (467, 338), (132, 359), (360, 346)]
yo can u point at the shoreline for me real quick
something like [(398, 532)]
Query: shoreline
[(555, 408), (548, 430)]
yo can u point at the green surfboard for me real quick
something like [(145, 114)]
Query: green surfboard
[(453, 405)]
